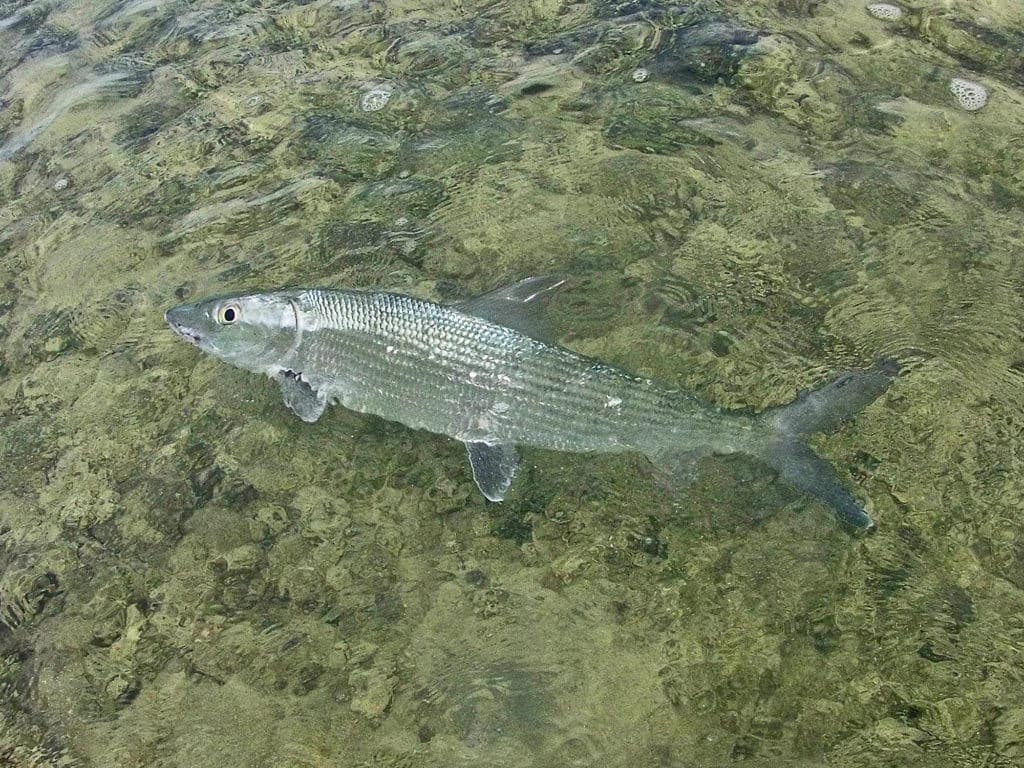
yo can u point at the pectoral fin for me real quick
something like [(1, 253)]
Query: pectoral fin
[(304, 401), (494, 466)]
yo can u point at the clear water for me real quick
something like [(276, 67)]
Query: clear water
[(748, 197)]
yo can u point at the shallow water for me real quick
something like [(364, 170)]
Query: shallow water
[(747, 196)]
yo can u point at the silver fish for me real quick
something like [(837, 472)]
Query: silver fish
[(481, 371)]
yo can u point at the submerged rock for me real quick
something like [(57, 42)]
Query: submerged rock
[(706, 51), (654, 120), (677, 42)]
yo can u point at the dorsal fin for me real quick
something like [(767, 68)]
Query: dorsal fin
[(521, 306)]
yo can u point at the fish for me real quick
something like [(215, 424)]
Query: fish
[(485, 371)]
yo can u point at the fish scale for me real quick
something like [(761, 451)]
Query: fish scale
[(442, 358), (478, 372)]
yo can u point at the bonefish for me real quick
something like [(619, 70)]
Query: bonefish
[(481, 372)]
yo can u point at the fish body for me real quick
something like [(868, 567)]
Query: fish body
[(480, 373)]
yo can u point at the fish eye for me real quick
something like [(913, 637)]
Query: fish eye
[(228, 314)]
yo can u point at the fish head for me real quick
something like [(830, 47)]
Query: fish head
[(252, 331)]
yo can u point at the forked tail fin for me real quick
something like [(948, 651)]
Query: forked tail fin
[(818, 411)]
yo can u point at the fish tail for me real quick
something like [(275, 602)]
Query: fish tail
[(821, 410)]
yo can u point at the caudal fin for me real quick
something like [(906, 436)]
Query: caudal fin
[(821, 410)]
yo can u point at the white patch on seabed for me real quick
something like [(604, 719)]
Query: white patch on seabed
[(885, 11), (970, 95), (376, 98)]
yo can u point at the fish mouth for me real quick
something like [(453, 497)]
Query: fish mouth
[(188, 334)]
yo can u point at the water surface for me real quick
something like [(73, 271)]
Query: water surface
[(748, 197)]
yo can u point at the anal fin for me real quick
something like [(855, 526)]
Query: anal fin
[(676, 470)]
